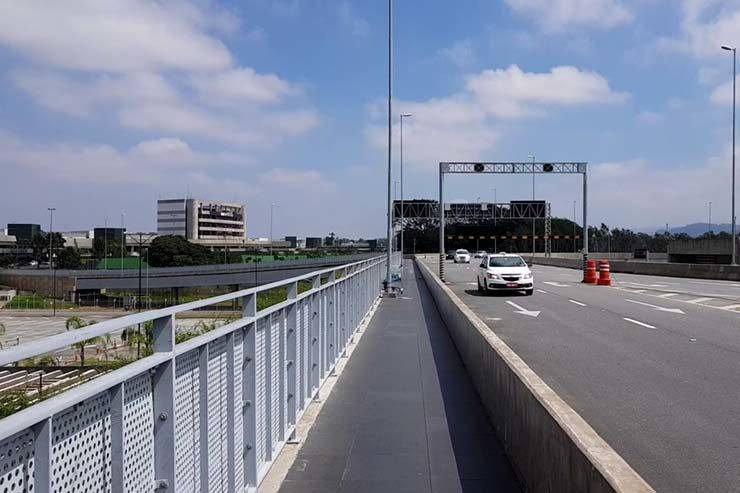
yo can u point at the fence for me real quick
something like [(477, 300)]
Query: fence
[(210, 413)]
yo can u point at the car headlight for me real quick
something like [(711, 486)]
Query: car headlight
[(528, 275), (493, 276)]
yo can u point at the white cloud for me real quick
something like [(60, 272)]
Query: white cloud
[(465, 125), (242, 85), (351, 21), (460, 53), (512, 93), (114, 36), (722, 94), (559, 15), (705, 26), (303, 179)]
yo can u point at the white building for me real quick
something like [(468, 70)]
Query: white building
[(205, 222)]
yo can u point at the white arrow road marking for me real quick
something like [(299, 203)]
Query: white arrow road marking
[(730, 307), (639, 323), (523, 311), (577, 303), (656, 307), (541, 291), (667, 295), (699, 300), (556, 284), (646, 285)]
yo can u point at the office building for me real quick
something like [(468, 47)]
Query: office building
[(23, 233), (205, 222)]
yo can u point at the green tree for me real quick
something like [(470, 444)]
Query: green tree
[(40, 245), (69, 258), (174, 251), (74, 323)]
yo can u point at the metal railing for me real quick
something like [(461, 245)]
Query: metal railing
[(209, 414)]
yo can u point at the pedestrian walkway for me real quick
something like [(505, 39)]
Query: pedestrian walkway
[(403, 416)]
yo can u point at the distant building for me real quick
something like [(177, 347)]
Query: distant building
[(205, 222), (23, 233), (313, 242), (293, 240), (110, 234)]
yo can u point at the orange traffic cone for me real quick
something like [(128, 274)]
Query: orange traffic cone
[(589, 276), (605, 274)]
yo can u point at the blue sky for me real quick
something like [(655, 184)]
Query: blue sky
[(108, 105)]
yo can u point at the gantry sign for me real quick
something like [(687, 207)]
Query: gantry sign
[(509, 168)]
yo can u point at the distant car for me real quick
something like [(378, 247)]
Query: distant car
[(480, 254), (461, 257), (505, 272), (450, 254)]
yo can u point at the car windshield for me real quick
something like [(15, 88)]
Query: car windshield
[(462, 252), (506, 262)]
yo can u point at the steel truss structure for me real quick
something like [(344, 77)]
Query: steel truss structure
[(471, 212), (466, 167)]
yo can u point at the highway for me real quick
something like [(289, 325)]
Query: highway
[(651, 363)]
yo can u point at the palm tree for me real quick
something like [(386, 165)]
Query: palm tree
[(74, 323)]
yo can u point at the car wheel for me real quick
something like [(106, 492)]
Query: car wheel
[(530, 292)]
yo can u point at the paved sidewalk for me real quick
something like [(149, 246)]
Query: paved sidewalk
[(403, 416)]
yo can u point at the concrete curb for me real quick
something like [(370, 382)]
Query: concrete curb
[(551, 447)]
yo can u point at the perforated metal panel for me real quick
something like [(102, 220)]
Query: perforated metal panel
[(138, 434), (276, 375), (16, 464), (81, 447), (217, 418), (299, 356), (306, 318), (187, 422), (238, 417), (260, 398)]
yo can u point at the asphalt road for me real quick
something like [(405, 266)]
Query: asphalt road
[(651, 363)]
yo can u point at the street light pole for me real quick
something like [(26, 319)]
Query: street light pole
[(51, 261), (403, 115), (710, 218), (532, 157), (123, 240), (574, 227), (272, 208), (734, 95), (390, 141)]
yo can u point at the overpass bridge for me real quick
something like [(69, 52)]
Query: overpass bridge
[(578, 388)]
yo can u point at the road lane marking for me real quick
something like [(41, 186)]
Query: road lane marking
[(699, 300), (645, 285), (556, 284), (473, 284), (577, 303), (730, 307), (542, 291), (667, 295), (639, 323), (524, 311), (656, 307), (493, 319)]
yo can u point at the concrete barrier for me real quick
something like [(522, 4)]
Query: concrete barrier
[(692, 271), (551, 447)]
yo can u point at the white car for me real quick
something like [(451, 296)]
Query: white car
[(480, 254), (461, 257), (505, 272)]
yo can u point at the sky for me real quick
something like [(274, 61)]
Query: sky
[(108, 105)]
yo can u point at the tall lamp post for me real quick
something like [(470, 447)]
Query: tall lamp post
[(123, 239), (574, 227), (734, 92), (272, 212), (390, 141), (710, 217), (532, 157), (51, 261), (403, 115)]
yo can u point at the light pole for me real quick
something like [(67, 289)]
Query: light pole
[(734, 92), (393, 212), (123, 240), (390, 141), (532, 157), (574, 227), (272, 212), (710, 217), (105, 244), (51, 261), (403, 115), (495, 201)]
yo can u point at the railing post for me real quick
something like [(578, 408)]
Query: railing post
[(291, 324), (42, 455), (164, 406), (249, 310), (116, 439), (203, 415), (331, 319), (269, 382), (230, 408), (316, 342)]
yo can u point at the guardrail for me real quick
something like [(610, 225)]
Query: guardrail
[(215, 410)]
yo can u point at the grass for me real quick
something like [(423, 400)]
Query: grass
[(22, 302)]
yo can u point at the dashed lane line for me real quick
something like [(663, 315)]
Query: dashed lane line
[(577, 303), (542, 291), (637, 322), (696, 301), (667, 295)]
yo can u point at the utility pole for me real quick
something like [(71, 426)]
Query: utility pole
[(51, 261), (390, 141), (710, 218), (403, 115), (575, 247), (534, 221), (123, 240), (734, 103)]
